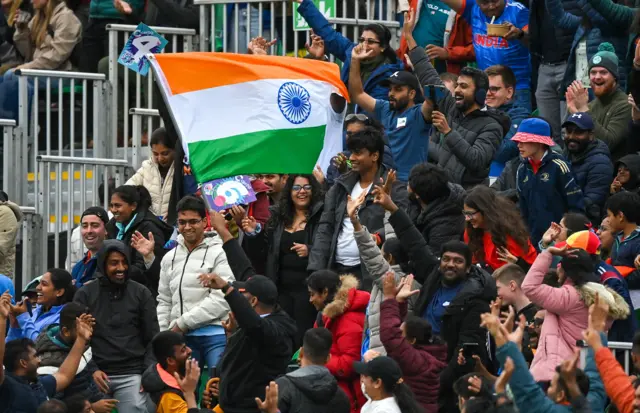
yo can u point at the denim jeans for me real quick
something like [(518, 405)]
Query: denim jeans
[(9, 92), (126, 389), (550, 98), (523, 98), (241, 25), (207, 349)]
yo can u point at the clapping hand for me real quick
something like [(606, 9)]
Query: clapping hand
[(270, 403), (551, 234), (409, 22), (143, 245), (84, 330), (259, 46), (316, 48), (505, 255), (249, 225), (189, 382), (404, 290), (577, 97)]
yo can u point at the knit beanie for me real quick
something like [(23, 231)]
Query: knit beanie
[(606, 57), (97, 211)]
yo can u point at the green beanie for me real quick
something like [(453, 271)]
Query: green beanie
[(606, 57)]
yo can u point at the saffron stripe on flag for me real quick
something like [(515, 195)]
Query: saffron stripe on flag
[(267, 151)]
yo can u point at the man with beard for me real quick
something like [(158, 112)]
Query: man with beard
[(590, 161), (126, 322), (21, 389), (172, 381), (404, 121), (275, 184), (454, 294), (466, 134), (610, 109)]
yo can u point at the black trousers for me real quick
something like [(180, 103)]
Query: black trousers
[(296, 304)]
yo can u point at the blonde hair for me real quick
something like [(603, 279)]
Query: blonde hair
[(11, 20), (41, 22)]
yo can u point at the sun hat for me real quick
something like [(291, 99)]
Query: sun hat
[(534, 130)]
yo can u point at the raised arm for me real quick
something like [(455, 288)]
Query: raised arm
[(617, 15), (561, 18), (69, 367), (356, 89)]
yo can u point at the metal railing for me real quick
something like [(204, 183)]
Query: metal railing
[(139, 151), (77, 198), (120, 77), (219, 32), (14, 169), (616, 347), (28, 265), (60, 117)]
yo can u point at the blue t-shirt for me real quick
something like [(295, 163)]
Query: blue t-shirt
[(438, 305), (17, 394), (492, 50), (408, 135), (431, 23)]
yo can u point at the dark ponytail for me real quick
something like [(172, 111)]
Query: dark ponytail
[(405, 398), (138, 195), (61, 279)]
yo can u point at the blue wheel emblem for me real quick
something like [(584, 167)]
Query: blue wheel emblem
[(294, 102)]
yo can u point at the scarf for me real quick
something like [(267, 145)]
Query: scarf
[(122, 229)]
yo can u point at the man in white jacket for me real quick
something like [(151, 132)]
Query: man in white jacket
[(183, 305)]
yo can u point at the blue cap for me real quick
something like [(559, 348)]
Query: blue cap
[(582, 120)]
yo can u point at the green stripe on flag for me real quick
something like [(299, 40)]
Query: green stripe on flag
[(278, 151)]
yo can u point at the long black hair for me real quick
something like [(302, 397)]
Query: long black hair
[(578, 266), (394, 247), (61, 279), (285, 211), (325, 279), (404, 397), (138, 195)]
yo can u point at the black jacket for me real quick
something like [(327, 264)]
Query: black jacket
[(258, 351), (632, 162), (467, 151), (322, 255), (126, 319), (442, 219), (461, 320), (311, 389), (144, 222), (507, 182), (550, 43)]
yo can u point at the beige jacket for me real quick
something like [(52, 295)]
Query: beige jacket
[(149, 176), (10, 217), (55, 50)]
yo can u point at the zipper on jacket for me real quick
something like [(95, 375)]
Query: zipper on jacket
[(184, 267)]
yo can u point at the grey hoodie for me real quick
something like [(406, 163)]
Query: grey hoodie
[(311, 389)]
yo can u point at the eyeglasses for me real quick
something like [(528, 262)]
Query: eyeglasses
[(368, 41), (469, 214), (191, 222), (494, 89), (297, 188), (356, 116)]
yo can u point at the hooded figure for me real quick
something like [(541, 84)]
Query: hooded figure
[(10, 217), (629, 175), (125, 313), (314, 389)]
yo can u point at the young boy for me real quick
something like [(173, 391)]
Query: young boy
[(623, 212), (545, 184)]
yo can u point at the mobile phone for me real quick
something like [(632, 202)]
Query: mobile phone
[(29, 307), (436, 93), (469, 349)]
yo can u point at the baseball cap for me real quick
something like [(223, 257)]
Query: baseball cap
[(260, 287), (31, 287), (582, 120), (383, 368), (97, 211), (402, 78), (585, 240)]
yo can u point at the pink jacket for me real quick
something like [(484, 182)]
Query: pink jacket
[(566, 318)]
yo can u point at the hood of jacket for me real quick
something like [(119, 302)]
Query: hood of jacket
[(315, 382), (595, 147), (156, 380), (451, 205), (618, 307), (14, 208), (108, 247), (479, 285), (347, 298), (6, 284), (497, 114), (632, 162), (50, 340)]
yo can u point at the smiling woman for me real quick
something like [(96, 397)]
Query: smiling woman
[(54, 291)]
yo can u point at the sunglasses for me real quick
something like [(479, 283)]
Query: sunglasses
[(356, 116), (368, 41)]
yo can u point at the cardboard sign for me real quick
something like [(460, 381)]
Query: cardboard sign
[(143, 40), (224, 193)]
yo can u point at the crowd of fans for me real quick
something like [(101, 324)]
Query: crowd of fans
[(462, 254)]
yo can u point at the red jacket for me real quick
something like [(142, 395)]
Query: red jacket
[(491, 251), (460, 45), (421, 365), (344, 317)]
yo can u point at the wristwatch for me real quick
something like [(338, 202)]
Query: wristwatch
[(226, 288)]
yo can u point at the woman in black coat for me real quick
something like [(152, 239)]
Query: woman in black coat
[(289, 236), (130, 208)]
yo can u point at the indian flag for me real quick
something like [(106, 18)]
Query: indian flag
[(245, 114)]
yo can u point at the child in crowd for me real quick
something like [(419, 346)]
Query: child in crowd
[(624, 215)]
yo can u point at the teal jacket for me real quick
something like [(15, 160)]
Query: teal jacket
[(529, 396), (103, 9)]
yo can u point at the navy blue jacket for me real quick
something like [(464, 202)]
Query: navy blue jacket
[(84, 270), (545, 196), (625, 250), (593, 171), (508, 149), (621, 330), (339, 46), (601, 31)]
